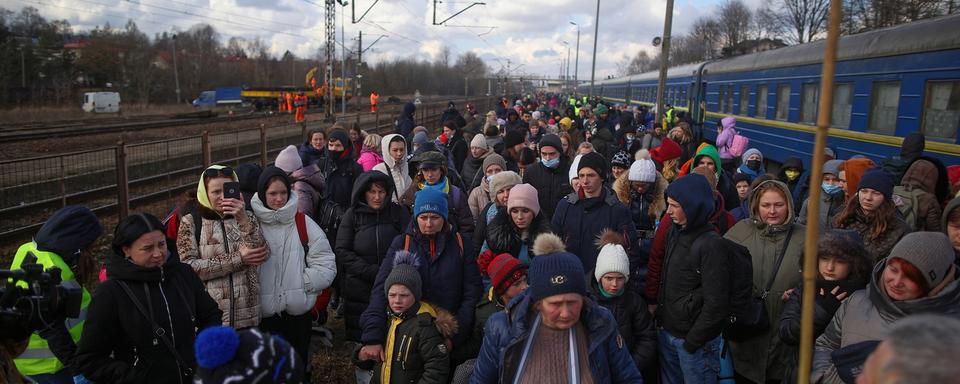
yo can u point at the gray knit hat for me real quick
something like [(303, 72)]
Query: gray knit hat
[(930, 252), (405, 273)]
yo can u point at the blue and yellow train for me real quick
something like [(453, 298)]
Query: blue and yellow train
[(889, 83)]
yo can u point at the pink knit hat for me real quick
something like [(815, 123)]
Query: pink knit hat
[(524, 195)]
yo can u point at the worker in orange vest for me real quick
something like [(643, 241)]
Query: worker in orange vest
[(290, 102), (301, 104), (280, 103), (374, 96)]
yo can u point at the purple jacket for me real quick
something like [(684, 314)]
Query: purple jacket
[(725, 138)]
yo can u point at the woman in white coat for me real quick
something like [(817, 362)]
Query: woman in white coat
[(296, 271), (394, 149)]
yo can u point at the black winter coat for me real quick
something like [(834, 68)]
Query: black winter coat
[(457, 148), (552, 184), (363, 238), (634, 322), (695, 288), (118, 344), (418, 355), (502, 235), (471, 173)]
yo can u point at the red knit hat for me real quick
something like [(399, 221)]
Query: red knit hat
[(667, 150), (504, 270)]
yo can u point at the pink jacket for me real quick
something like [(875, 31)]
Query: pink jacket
[(725, 138), (369, 159)]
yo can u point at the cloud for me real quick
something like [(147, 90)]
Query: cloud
[(527, 37)]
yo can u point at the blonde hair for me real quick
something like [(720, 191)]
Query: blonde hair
[(372, 141), (670, 169)]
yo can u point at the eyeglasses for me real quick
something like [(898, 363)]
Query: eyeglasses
[(212, 172)]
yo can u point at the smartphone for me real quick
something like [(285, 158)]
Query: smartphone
[(231, 190)]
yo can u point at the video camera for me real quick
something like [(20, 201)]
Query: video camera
[(46, 299)]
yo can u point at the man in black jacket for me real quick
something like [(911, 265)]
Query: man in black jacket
[(549, 176), (694, 291)]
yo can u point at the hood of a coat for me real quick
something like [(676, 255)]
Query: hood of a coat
[(951, 206), (912, 146), (362, 185), (708, 150), (385, 150), (310, 174), (118, 267), (791, 162), (408, 109), (696, 198), (263, 182), (921, 174), (755, 205), (68, 231), (945, 302), (268, 216)]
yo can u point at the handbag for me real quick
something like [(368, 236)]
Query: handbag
[(756, 320)]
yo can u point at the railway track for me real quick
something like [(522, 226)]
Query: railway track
[(156, 171)]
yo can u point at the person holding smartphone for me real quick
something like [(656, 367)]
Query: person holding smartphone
[(224, 245)]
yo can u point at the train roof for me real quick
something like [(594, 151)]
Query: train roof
[(678, 71), (920, 36)]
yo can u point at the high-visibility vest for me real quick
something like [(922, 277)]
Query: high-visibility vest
[(38, 359)]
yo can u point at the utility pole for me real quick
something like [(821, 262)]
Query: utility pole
[(330, 32), (23, 71), (566, 78), (356, 92), (596, 30), (176, 77), (343, 64), (576, 65), (664, 59)]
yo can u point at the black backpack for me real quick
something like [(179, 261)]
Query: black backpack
[(747, 312)]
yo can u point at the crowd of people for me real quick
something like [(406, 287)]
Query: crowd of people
[(554, 239)]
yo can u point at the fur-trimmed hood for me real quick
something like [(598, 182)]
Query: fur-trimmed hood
[(621, 186), (446, 323)]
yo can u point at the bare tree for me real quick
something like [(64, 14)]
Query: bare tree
[(734, 22), (802, 20), (705, 36)]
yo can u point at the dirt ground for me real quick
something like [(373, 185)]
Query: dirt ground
[(333, 365)]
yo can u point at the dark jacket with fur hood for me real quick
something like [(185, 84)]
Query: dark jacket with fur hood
[(502, 235), (418, 354), (645, 209)]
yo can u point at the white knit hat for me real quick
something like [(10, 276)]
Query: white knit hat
[(612, 258), (643, 169), (289, 159), (480, 141)]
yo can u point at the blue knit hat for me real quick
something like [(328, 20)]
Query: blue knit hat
[(430, 201), (554, 271), (879, 181)]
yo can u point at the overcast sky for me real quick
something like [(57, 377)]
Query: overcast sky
[(530, 33)]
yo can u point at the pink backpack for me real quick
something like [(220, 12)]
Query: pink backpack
[(739, 145)]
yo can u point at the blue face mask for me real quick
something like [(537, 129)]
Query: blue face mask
[(551, 163), (489, 179), (830, 188)]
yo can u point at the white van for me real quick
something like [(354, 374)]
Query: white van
[(101, 102)]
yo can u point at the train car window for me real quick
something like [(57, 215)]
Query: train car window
[(842, 105), (730, 99), (941, 109), (783, 101), (883, 107), (722, 99), (808, 103), (761, 101), (744, 99)]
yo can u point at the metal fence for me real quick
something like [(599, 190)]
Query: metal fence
[(116, 179)]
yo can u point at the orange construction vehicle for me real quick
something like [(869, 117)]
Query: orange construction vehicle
[(374, 96)]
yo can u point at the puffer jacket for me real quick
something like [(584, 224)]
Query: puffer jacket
[(405, 122), (340, 175), (290, 280), (398, 171), (879, 247), (578, 221), (310, 155), (762, 357), (634, 322), (922, 176), (234, 285), (502, 236), (506, 333), (308, 182), (646, 209), (479, 198), (362, 244), (725, 140), (118, 344), (369, 159), (694, 293), (415, 352), (869, 314), (551, 184), (458, 148), (471, 170), (449, 275)]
